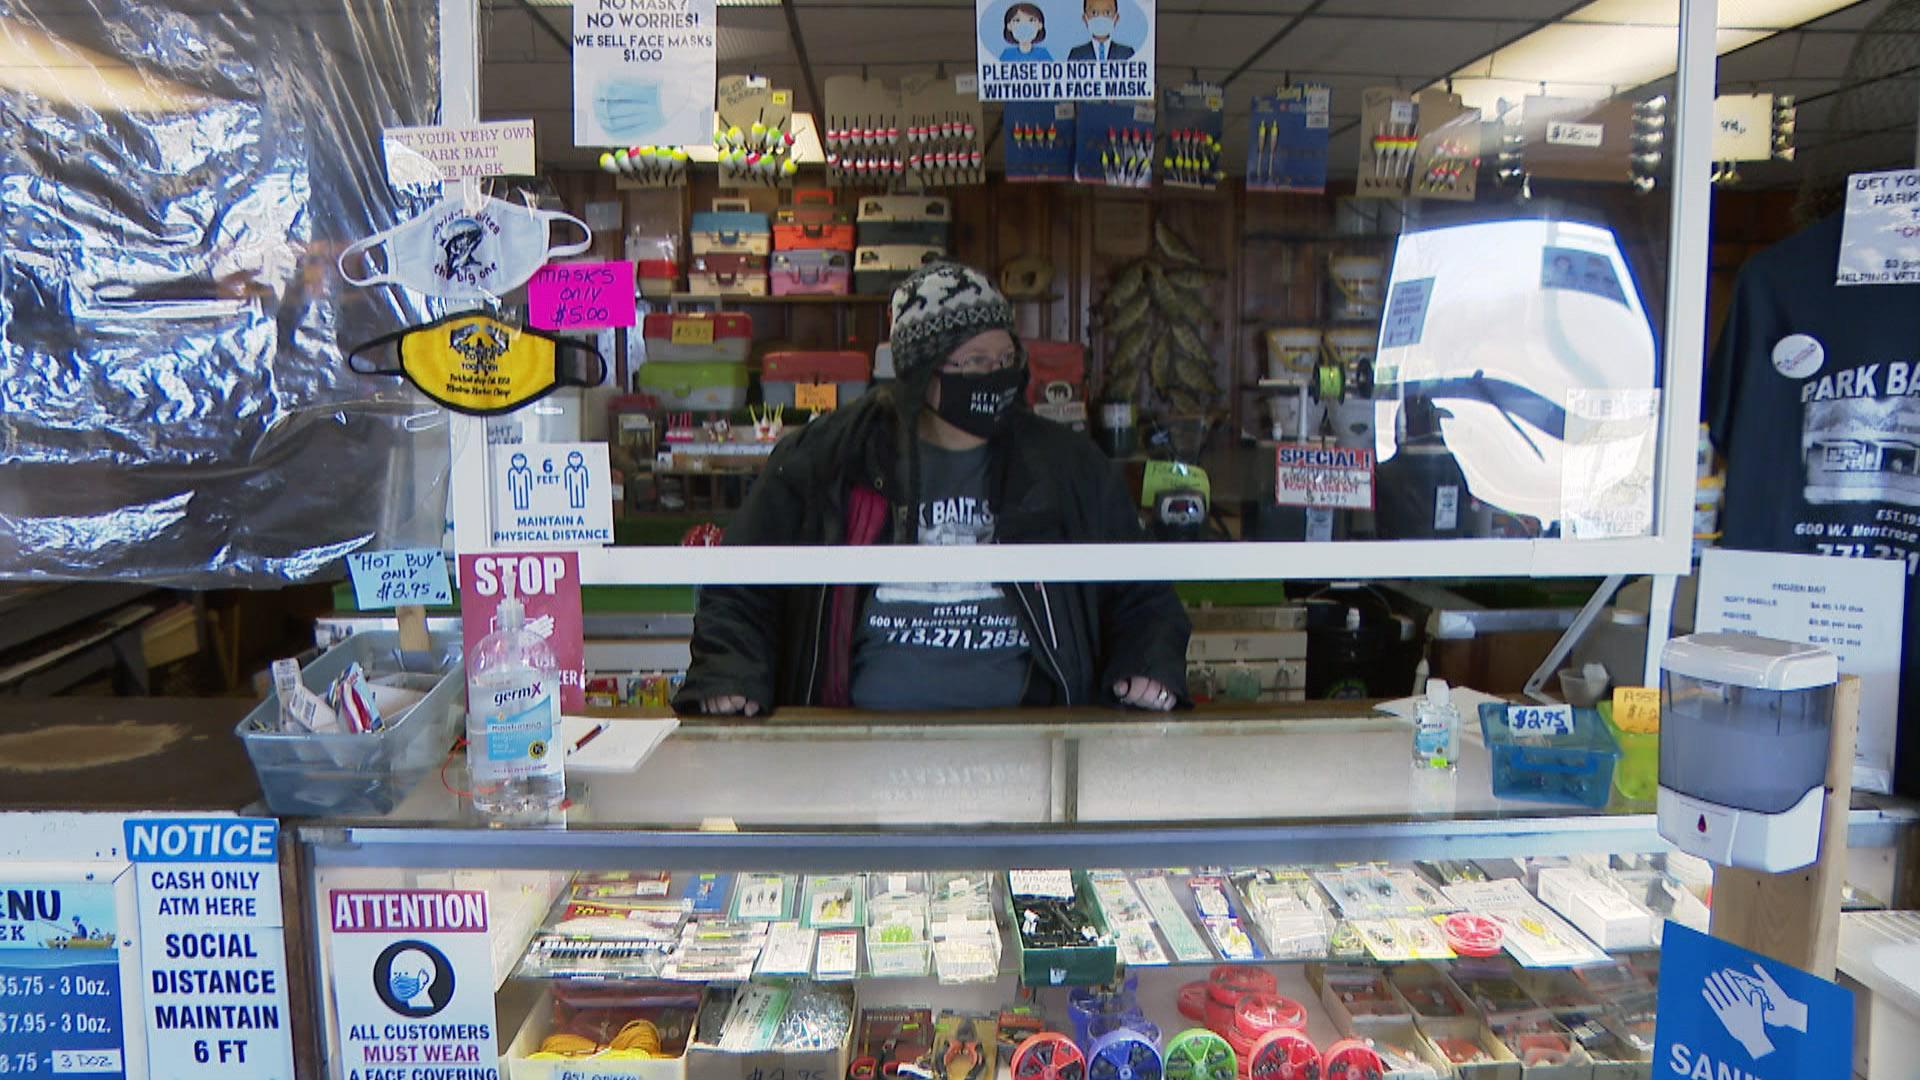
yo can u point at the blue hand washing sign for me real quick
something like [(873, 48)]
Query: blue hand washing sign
[(1730, 1014)]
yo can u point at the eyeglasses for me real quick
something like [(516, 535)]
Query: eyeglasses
[(980, 364)]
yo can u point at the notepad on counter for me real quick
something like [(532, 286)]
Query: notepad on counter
[(602, 744)]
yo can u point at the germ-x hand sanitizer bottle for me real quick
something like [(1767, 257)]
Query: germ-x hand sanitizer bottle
[(1436, 729), (513, 717)]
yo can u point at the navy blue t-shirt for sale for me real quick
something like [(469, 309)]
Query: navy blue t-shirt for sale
[(1813, 396)]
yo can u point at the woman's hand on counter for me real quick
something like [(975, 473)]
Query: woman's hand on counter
[(1141, 692), (729, 705)]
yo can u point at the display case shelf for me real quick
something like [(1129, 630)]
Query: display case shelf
[(815, 793)]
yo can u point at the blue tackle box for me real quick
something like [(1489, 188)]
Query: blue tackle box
[(1574, 767)]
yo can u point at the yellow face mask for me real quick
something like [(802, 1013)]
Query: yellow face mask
[(478, 365)]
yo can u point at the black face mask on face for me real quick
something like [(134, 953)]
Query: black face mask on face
[(977, 404)]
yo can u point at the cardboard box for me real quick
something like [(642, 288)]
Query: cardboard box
[(1091, 965), (1243, 619), (1430, 995), (1612, 920), (1356, 996), (1402, 1036), (1578, 1065), (1270, 680), (1228, 645), (704, 1062), (1503, 1066), (522, 1066)]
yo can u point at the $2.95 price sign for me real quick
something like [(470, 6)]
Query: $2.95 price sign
[(1540, 719), (581, 296)]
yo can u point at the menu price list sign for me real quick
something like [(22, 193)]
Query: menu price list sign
[(212, 948), (1850, 607), (59, 980)]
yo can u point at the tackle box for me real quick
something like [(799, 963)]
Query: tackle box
[(813, 223), (845, 374), (658, 278), (696, 386), (358, 773), (731, 229), (689, 336), (904, 219), (728, 275), (876, 270), (811, 273), (1575, 766)]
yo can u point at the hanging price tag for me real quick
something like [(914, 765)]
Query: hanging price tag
[(1636, 709), (817, 397)]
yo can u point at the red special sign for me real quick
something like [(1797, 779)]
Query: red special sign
[(1335, 477)]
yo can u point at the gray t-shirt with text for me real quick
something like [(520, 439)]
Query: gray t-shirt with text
[(955, 645)]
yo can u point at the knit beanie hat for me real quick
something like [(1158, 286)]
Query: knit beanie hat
[(938, 309)]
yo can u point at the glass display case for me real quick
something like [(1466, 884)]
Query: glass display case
[(850, 870)]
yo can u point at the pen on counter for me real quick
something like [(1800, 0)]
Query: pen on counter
[(588, 737)]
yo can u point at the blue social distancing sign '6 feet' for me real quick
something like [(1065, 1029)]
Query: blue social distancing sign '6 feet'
[(1730, 1014)]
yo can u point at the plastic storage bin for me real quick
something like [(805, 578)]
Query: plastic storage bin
[(780, 373), (697, 386), (878, 269), (812, 273), (813, 223), (1637, 776), (318, 775), (731, 229), (728, 275), (904, 219), (1576, 767), (658, 278), (682, 338)]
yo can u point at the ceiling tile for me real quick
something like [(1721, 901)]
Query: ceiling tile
[(1540, 10), (923, 36), (1419, 49), (1855, 16), (1213, 40)]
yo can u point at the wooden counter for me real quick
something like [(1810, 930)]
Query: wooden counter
[(123, 754)]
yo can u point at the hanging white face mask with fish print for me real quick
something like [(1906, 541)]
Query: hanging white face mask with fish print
[(459, 252)]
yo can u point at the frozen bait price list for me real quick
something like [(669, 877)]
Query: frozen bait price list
[(212, 948), (59, 980)]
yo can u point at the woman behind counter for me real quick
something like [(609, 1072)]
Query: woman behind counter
[(976, 468)]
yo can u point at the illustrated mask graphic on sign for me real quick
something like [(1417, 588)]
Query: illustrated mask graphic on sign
[(478, 365), (459, 252), (1065, 50), (413, 979)]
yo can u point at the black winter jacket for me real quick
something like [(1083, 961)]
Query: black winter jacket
[(1048, 485)]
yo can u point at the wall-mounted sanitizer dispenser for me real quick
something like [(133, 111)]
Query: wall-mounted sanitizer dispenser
[(1745, 726)]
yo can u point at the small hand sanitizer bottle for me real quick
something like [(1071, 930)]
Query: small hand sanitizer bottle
[(1436, 729), (514, 758)]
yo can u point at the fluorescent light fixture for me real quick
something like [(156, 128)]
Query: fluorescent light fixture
[(1609, 46), (35, 62)]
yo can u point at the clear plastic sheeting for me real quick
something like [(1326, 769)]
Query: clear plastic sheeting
[(176, 180)]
